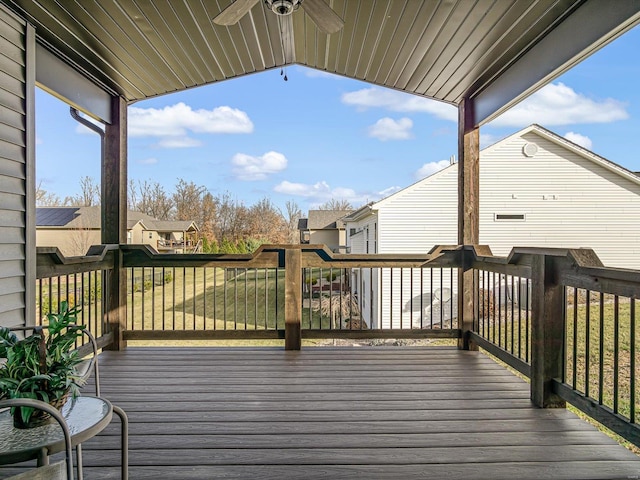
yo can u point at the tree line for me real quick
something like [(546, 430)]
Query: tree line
[(226, 224)]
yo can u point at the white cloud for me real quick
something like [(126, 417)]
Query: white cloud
[(321, 192), (578, 139), (389, 191), (399, 102), (430, 168), (178, 142), (247, 167), (148, 161), (173, 123), (487, 139), (389, 129), (558, 104)]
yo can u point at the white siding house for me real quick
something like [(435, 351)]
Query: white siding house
[(537, 189)]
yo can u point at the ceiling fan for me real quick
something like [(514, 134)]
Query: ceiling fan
[(320, 13)]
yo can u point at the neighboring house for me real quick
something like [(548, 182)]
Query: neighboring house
[(537, 189), (325, 227), (74, 229)]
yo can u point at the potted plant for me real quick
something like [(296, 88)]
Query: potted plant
[(41, 366)]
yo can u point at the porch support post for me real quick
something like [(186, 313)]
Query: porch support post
[(468, 212), (547, 331), (114, 218), (293, 298)]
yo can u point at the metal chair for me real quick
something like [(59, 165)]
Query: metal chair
[(56, 471), (85, 369)]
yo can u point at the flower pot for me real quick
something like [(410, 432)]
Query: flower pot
[(39, 417)]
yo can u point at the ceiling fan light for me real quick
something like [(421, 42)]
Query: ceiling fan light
[(282, 7)]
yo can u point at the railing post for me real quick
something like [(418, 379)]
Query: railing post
[(292, 298), (467, 300), (114, 216), (468, 212), (547, 331)]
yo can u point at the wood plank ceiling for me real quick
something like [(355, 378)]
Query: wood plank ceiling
[(442, 49)]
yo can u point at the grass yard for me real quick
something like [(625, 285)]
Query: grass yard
[(211, 299)]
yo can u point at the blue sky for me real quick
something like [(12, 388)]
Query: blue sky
[(318, 136)]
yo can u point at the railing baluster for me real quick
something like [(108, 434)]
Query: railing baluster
[(142, 300), (575, 340), (616, 352), (215, 298), (601, 359), (587, 348), (153, 298), (195, 299), (632, 363)]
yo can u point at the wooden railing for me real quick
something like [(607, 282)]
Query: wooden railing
[(289, 292), (80, 281), (569, 324), (556, 315)]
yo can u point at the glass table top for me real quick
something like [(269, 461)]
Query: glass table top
[(85, 417)]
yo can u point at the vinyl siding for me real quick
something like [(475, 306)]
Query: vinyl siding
[(13, 168), (568, 201), (423, 215)]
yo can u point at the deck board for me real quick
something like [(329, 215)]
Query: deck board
[(375, 413)]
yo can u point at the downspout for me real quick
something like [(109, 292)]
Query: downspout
[(92, 126)]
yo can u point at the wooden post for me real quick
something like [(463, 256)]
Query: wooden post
[(547, 331), (293, 299), (114, 218), (468, 212)]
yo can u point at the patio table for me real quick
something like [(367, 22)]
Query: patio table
[(86, 416)]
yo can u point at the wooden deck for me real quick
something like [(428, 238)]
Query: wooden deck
[(373, 413)]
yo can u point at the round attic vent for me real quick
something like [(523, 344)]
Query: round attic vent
[(529, 149)]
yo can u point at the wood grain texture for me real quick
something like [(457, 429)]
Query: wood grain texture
[(367, 412)]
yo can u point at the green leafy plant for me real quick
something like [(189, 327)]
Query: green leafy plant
[(41, 366)]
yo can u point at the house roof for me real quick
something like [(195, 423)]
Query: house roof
[(175, 226), (537, 129), (90, 218), (54, 216), (494, 52), (326, 219)]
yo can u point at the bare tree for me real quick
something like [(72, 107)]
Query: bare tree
[(207, 220), (294, 214), (231, 219), (266, 223), (154, 200), (132, 195), (187, 200), (336, 204), (46, 199), (89, 194)]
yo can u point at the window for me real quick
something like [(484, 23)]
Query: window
[(509, 216)]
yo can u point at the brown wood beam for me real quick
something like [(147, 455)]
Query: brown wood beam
[(293, 299), (468, 212), (114, 218), (547, 331)]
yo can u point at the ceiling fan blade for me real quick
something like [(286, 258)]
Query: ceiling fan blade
[(322, 15), (234, 12)]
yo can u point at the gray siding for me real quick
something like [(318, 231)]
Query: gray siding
[(14, 158)]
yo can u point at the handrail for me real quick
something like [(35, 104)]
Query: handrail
[(79, 280), (579, 317), (520, 304)]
